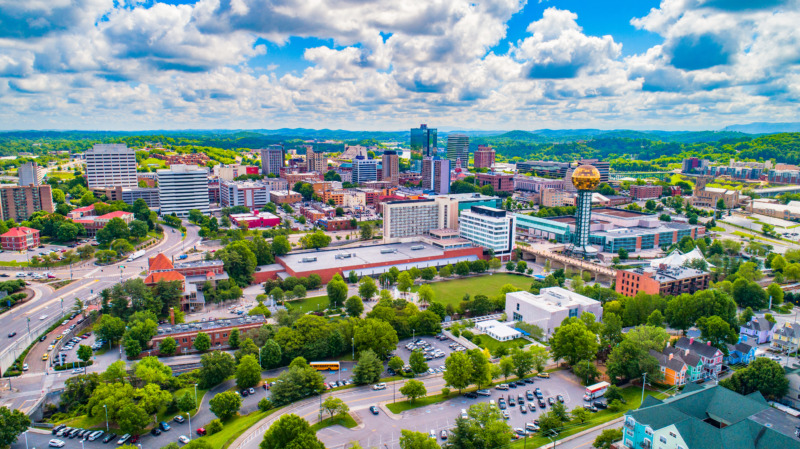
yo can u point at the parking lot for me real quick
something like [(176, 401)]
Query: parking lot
[(382, 430), (25, 256), (436, 350)]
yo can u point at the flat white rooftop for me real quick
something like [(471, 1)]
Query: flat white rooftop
[(553, 299)]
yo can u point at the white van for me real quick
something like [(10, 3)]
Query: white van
[(492, 404), (464, 413), (20, 275), (432, 435)]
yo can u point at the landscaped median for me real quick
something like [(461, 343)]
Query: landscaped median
[(343, 420)]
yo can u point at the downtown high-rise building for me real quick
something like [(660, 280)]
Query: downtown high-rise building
[(390, 163), (316, 161), (110, 165), (30, 174), (424, 140), (484, 157), (272, 159), (364, 170), (436, 175), (18, 203), (458, 149), (182, 188)]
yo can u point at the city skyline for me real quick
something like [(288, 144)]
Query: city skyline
[(497, 65)]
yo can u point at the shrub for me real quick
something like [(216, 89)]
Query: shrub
[(264, 404), (445, 392), (214, 426), (468, 335)]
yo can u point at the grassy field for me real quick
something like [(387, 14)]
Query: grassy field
[(346, 421), (309, 304), (632, 397), (452, 292), (152, 160), (402, 406), (491, 344), (233, 428)]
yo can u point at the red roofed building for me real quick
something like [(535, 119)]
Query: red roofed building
[(166, 276), (88, 218), (19, 239), (192, 276)]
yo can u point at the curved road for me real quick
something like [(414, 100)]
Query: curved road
[(90, 280)]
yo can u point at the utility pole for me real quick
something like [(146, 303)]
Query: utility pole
[(644, 381)]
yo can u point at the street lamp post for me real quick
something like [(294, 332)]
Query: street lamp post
[(354, 348), (106, 409), (644, 381), (26, 439)]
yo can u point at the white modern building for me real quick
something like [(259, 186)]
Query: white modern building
[(110, 165), (497, 330), (490, 228), (182, 188), (30, 174), (252, 194), (364, 170), (272, 159), (550, 307)]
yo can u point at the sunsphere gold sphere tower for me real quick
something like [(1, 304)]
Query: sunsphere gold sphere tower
[(585, 178)]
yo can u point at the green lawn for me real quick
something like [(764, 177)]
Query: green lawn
[(234, 427), (491, 344), (632, 397), (346, 421), (452, 292), (152, 160), (309, 304), (401, 406)]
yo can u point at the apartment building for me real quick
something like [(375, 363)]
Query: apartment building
[(536, 185), (663, 280), (316, 161), (20, 239), (489, 228), (272, 159), (390, 163), (30, 174), (646, 191), (20, 202), (252, 194), (404, 219), (182, 188), (285, 197), (436, 175), (484, 157), (110, 165)]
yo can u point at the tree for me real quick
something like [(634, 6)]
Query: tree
[(132, 347), (352, 277), (368, 369), (426, 294), (522, 361), (606, 438), (270, 354), (366, 231), (337, 292), (416, 440), (560, 410), (202, 342), (138, 229), (613, 392), (763, 375), (168, 346), (484, 428), (248, 373), (233, 338), (299, 291), (573, 342), (377, 335), (506, 367), (459, 371), (586, 371), (281, 245), (215, 367), (715, 330), (396, 364), (291, 432), (417, 362), (580, 414), (404, 282), (299, 381), (315, 240), (12, 424), (481, 368), (225, 405), (334, 406), (186, 403), (521, 266), (109, 328), (131, 418), (367, 288), (353, 306), (428, 273), (775, 292), (655, 319), (413, 389), (446, 271)]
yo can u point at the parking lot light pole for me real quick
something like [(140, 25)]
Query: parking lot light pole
[(26, 439), (106, 409)]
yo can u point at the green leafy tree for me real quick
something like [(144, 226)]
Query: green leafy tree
[(109, 328), (484, 428), (225, 405), (291, 432), (337, 292), (368, 369), (270, 354), (521, 362), (299, 291), (396, 364), (131, 418), (416, 440), (248, 373), (573, 342), (580, 414), (281, 245), (233, 338), (12, 424), (655, 319), (481, 368), (168, 346), (426, 294), (413, 389), (215, 367), (417, 362), (404, 282), (506, 367), (763, 375), (717, 331), (613, 392), (354, 307), (377, 335), (186, 403), (334, 406), (299, 381), (606, 438), (367, 288), (315, 240), (586, 371), (202, 342), (459, 371)]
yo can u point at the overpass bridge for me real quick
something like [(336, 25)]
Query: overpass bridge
[(661, 175), (540, 255)]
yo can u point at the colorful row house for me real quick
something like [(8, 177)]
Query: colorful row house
[(742, 353), (679, 366), (758, 330), (786, 336), (710, 356)]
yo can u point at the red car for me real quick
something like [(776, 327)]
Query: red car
[(201, 431), (134, 439)]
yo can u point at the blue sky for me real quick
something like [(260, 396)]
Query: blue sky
[(384, 64)]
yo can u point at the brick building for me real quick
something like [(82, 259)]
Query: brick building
[(218, 330), (94, 223), (18, 203), (646, 191), (19, 239), (662, 280), (484, 157), (256, 220), (285, 197), (501, 182)]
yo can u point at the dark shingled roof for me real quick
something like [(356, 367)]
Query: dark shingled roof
[(698, 347), (675, 364), (691, 358), (758, 324)]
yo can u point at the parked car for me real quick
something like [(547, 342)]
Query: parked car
[(57, 428), (56, 443), (179, 419), (183, 438), (155, 432), (380, 386), (201, 431), (373, 409), (164, 426), (544, 375), (109, 437), (123, 439)]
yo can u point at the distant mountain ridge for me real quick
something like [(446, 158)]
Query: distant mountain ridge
[(765, 128)]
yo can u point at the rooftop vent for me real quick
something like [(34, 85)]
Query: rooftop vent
[(417, 247), (388, 251), (309, 259)]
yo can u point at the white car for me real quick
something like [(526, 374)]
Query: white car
[(25, 367), (380, 386), (183, 439), (43, 317), (56, 443)]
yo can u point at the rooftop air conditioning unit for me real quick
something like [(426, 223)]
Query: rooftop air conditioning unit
[(309, 259), (417, 247)]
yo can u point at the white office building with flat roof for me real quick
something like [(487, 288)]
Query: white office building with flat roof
[(550, 307), (110, 165), (490, 228), (182, 188)]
